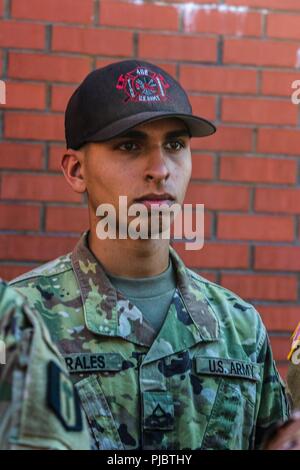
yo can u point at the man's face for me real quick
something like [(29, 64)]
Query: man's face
[(153, 158)]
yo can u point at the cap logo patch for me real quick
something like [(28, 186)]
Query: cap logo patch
[(143, 85)]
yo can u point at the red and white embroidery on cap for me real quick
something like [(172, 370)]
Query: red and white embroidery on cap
[(143, 85)]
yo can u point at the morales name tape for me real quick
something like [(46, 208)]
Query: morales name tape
[(92, 362)]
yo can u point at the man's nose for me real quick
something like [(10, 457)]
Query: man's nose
[(156, 168)]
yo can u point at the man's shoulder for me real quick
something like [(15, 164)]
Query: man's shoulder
[(229, 307), (32, 372), (218, 292), (53, 268)]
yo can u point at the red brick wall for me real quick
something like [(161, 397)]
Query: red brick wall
[(237, 59)]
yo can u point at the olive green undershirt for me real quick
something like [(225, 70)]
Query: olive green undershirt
[(152, 295)]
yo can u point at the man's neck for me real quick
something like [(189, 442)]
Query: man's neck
[(130, 258)]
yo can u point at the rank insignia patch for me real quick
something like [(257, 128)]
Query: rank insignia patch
[(158, 411)]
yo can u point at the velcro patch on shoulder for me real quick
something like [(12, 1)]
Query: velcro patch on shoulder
[(228, 367), (63, 399), (93, 362)]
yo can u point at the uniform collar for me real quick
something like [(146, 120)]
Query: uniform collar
[(107, 312)]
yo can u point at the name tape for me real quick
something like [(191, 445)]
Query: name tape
[(93, 362), (229, 367)]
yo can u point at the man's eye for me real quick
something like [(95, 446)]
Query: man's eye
[(128, 146), (175, 145)]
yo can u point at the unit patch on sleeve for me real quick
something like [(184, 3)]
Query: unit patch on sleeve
[(62, 398), (294, 354)]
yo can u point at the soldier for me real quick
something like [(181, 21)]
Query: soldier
[(39, 406), (162, 358), (284, 436)]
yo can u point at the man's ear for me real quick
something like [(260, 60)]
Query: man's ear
[(72, 167)]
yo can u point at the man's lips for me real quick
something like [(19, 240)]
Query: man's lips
[(156, 199), (156, 202)]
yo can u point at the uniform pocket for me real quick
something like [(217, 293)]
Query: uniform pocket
[(99, 415), (232, 386), (230, 425)]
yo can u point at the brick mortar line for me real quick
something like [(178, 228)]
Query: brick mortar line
[(96, 12), (185, 63), (7, 9)]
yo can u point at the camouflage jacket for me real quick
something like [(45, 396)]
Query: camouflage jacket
[(206, 381), (39, 406)]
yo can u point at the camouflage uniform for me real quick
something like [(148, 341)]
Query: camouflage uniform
[(206, 381), (39, 406)]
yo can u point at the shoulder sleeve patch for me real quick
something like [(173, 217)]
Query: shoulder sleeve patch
[(63, 399), (295, 341)]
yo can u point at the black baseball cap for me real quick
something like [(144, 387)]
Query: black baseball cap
[(113, 99)]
